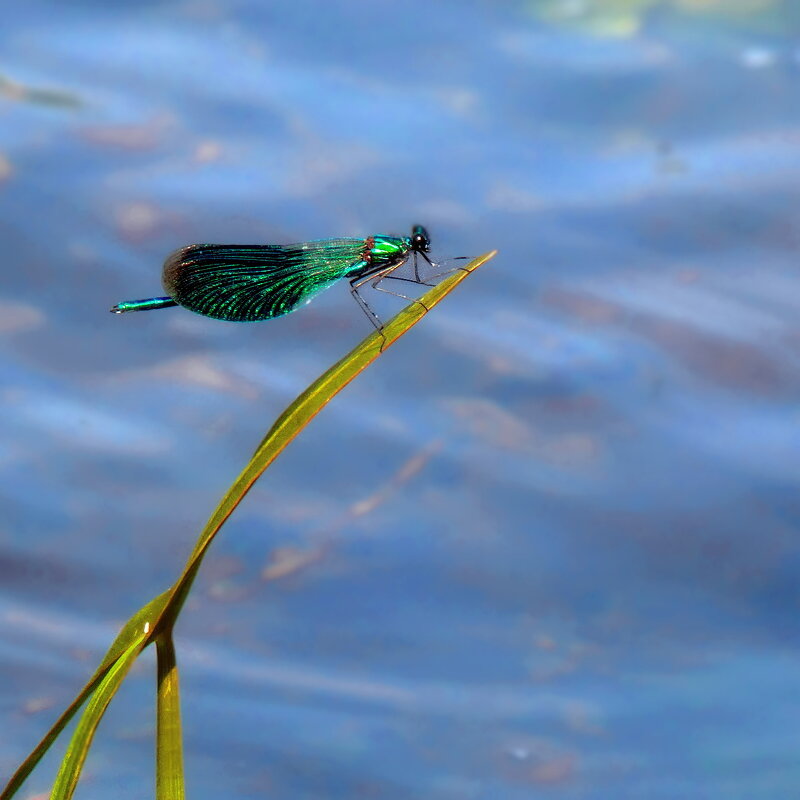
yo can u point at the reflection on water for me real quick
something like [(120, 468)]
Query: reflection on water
[(12, 90), (548, 542), (629, 17)]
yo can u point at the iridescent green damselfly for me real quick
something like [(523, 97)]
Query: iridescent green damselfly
[(247, 283)]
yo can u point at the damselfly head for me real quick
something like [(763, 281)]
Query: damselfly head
[(420, 241)]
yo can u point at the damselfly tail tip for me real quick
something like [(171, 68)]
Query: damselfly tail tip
[(142, 305)]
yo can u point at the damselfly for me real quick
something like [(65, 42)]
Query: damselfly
[(246, 283)]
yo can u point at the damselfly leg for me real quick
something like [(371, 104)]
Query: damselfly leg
[(449, 270), (374, 280)]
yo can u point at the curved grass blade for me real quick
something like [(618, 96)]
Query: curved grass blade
[(78, 749), (169, 742), (300, 413), (141, 622), (157, 617)]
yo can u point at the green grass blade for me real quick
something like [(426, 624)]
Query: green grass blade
[(158, 616), (141, 622), (301, 412), (25, 769), (70, 770), (169, 743)]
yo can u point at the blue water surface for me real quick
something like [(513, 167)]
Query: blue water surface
[(548, 544)]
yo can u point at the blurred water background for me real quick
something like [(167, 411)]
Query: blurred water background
[(548, 544)]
